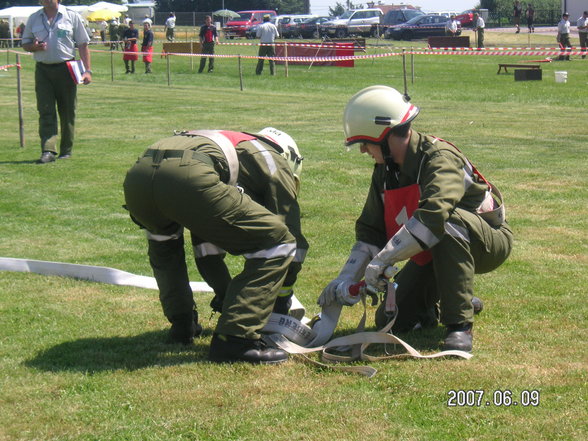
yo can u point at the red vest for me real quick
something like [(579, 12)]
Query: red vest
[(399, 205)]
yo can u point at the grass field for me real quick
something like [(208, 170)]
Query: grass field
[(86, 361)]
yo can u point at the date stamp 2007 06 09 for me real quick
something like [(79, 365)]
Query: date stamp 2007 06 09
[(499, 398)]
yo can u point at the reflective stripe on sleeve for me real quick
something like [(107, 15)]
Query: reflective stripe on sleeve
[(421, 232), (271, 164), (282, 250)]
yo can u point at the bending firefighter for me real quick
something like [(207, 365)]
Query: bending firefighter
[(190, 181), (427, 204)]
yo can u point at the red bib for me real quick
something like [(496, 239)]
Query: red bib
[(399, 205)]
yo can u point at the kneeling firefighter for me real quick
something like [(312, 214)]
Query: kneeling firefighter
[(426, 203), (196, 180)]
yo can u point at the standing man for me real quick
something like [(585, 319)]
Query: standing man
[(517, 12), (267, 33), (131, 53), (208, 38), (530, 12), (103, 27), (147, 46), (563, 36), (52, 34), (582, 24), (451, 27), (170, 27), (191, 181), (426, 203), (113, 33), (479, 26)]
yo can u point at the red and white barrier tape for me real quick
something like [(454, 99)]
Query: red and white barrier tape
[(8, 66)]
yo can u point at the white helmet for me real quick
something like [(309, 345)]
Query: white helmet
[(289, 148), (372, 112)]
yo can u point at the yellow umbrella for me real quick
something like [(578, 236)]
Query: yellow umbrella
[(102, 14)]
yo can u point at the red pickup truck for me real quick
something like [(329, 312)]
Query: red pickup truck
[(238, 26)]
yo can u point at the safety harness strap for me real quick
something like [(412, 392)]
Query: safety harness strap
[(226, 146)]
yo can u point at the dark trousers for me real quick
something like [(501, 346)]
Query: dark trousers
[(449, 278), (481, 37), (565, 45), (583, 41), (207, 48), (266, 51), (54, 87)]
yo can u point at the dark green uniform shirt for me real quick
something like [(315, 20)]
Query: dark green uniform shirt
[(446, 181)]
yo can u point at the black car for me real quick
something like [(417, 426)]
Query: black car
[(310, 28), (395, 17), (420, 27)]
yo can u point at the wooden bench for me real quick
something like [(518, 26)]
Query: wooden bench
[(518, 66)]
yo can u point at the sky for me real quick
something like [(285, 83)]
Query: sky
[(321, 7)]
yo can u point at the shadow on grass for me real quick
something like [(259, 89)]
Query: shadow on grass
[(31, 161), (94, 355)]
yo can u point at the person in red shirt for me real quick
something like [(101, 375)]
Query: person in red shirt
[(208, 38)]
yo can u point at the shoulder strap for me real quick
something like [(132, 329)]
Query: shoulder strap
[(226, 146)]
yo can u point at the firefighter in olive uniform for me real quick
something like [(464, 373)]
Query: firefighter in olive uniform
[(191, 181), (426, 203), (270, 175)]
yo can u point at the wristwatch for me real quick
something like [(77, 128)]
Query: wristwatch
[(89, 71)]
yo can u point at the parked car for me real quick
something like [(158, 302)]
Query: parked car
[(311, 27), (238, 26), (422, 26), (356, 22), (288, 27), (466, 18), (392, 18)]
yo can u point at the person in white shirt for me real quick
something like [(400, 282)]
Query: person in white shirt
[(563, 35), (103, 27), (451, 26), (267, 33), (582, 24), (170, 26), (479, 26)]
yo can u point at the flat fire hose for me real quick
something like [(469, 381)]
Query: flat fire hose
[(298, 338), (102, 274)]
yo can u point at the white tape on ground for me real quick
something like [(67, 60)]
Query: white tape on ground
[(100, 274)]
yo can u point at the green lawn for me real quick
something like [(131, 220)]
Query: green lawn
[(86, 361)]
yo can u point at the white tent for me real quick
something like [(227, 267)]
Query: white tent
[(20, 14), (15, 16), (105, 5)]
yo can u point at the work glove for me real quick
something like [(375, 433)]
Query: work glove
[(400, 247), (352, 271)]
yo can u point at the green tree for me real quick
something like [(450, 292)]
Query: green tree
[(506, 6), (337, 10)]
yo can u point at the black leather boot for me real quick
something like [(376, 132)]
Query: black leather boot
[(478, 304), (229, 349), (184, 328), (459, 337)]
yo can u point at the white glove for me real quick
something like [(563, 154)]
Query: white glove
[(400, 247), (352, 271), (329, 294), (344, 297), (374, 274)]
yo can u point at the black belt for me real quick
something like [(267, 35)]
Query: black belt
[(54, 64), (159, 155)]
